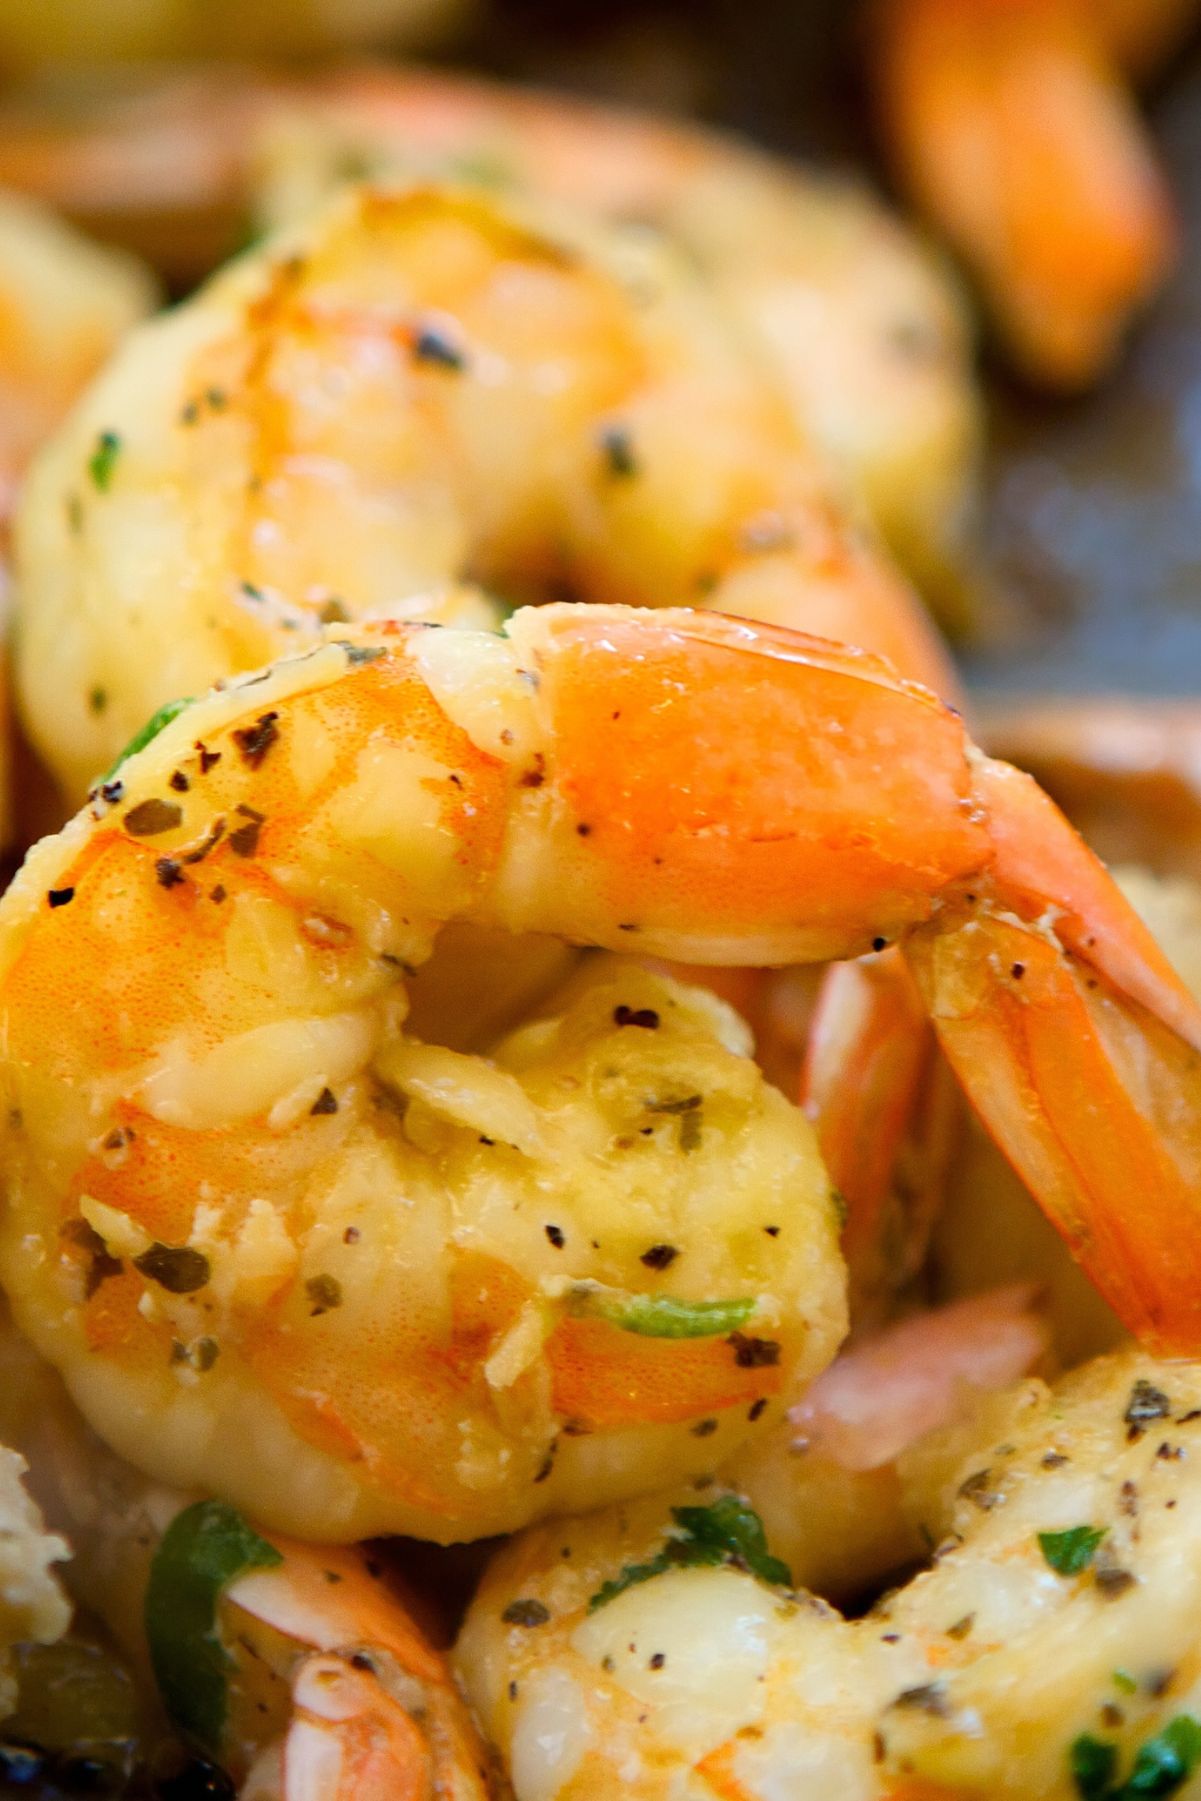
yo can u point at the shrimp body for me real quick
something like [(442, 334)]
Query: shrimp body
[(1057, 1624), (420, 388), (232, 1180), (327, 1685)]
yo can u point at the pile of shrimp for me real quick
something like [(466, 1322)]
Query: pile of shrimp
[(546, 1022)]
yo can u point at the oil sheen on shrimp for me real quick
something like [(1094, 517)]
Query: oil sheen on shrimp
[(1053, 1641), (419, 388), (358, 1284)]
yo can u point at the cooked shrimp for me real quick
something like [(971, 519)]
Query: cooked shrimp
[(843, 1482), (1052, 1650), (863, 327), (217, 1218), (420, 387), (64, 305), (1011, 127), (299, 1671)]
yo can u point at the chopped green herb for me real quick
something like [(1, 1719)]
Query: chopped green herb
[(206, 1547), (102, 459), (1160, 1768), (170, 710), (1166, 1761), (1125, 1681), (1092, 1764), (1072, 1551), (661, 1316), (727, 1532)]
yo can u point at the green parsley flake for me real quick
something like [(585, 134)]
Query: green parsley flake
[(727, 1532), (1161, 1766), (1072, 1551), (170, 710), (661, 1316), (103, 458)]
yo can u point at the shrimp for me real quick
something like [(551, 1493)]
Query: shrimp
[(1050, 1651), (1010, 125), (299, 1671), (863, 327), (844, 1482), (419, 387), (444, 1297)]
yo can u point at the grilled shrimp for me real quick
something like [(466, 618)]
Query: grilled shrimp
[(299, 1671), (419, 387), (359, 1285), (1051, 1651)]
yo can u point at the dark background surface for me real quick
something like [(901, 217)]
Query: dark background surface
[(1093, 528)]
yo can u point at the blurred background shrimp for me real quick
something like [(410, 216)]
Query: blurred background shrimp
[(421, 387), (662, 1647)]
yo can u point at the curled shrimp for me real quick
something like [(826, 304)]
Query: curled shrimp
[(1011, 126), (421, 386), (661, 1649), (863, 328), (229, 1205), (304, 1676)]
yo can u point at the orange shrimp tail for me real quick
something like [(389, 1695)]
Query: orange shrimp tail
[(1010, 126), (868, 1055), (349, 1741), (1077, 1044)]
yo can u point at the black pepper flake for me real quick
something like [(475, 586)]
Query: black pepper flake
[(525, 1613), (756, 1409), (1146, 1403), (772, 1231), (1017, 971), (583, 830), (244, 839), (256, 740), (205, 1353), (617, 448), (646, 1017), (112, 792), (361, 1661), (979, 1490), (60, 897), (351, 1235), (535, 775), (928, 1697), (753, 1353), (1054, 1460), (554, 1233), (152, 817), (167, 872), (176, 1267), (326, 1102), (656, 1660), (660, 1256), (179, 781), (1113, 1582), (512, 1691), (217, 894), (325, 1292), (207, 757), (879, 944), (210, 841), (703, 1429), (548, 1462), (430, 346), (102, 1264)]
